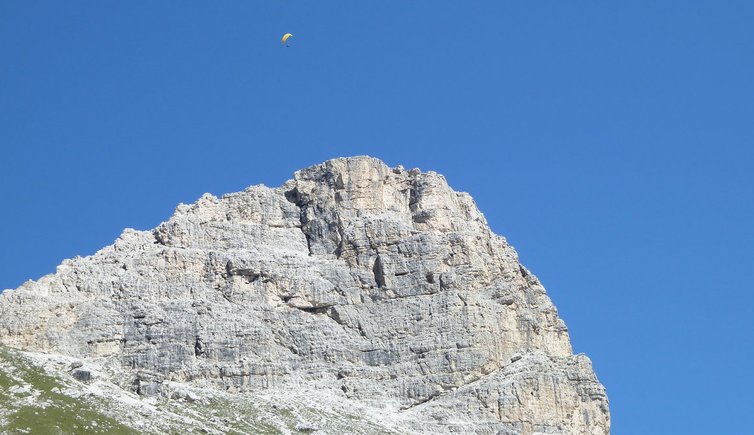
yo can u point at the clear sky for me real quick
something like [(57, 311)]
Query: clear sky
[(610, 142)]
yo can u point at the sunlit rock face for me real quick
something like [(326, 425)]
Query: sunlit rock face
[(368, 283)]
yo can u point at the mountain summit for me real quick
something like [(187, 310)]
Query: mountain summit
[(376, 296)]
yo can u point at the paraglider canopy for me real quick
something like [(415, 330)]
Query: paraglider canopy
[(285, 38)]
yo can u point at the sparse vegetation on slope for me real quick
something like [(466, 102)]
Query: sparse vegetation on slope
[(37, 397), (31, 401)]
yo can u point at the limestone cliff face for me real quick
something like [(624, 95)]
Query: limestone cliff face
[(371, 283)]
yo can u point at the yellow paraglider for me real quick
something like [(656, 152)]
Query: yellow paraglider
[(285, 39)]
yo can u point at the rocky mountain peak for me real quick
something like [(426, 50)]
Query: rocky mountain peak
[(373, 286)]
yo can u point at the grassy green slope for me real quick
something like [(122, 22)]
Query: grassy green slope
[(36, 401), (32, 401)]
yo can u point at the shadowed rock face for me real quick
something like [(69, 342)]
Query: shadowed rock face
[(371, 283)]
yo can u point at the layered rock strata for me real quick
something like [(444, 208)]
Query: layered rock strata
[(373, 284)]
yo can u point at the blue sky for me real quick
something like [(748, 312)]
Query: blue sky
[(610, 142)]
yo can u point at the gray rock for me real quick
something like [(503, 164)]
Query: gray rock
[(84, 376), (147, 388), (378, 285), (306, 427)]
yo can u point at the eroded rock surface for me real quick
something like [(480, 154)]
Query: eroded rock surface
[(373, 284)]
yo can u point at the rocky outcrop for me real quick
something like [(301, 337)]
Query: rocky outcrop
[(373, 284)]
